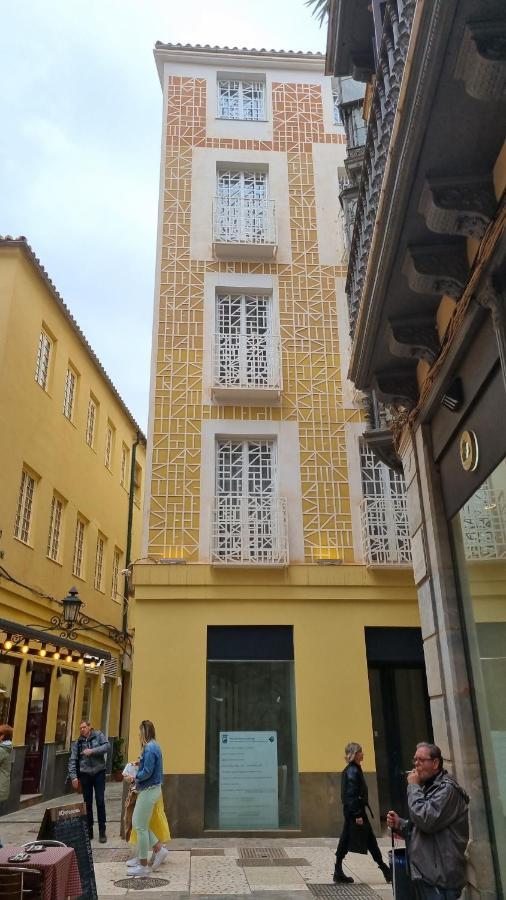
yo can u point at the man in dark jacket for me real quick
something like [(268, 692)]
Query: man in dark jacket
[(437, 831), (87, 765)]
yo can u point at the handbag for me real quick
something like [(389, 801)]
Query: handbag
[(128, 811), (359, 835)]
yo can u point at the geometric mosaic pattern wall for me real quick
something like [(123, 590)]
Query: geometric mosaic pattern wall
[(309, 333)]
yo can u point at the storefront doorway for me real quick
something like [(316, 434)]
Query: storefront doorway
[(36, 728)]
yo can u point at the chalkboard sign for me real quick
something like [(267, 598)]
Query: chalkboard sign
[(69, 825)]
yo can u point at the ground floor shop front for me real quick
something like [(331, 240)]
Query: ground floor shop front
[(256, 681)]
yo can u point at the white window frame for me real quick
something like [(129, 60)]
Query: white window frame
[(116, 560), (98, 578), (24, 513), (336, 113), (78, 560), (246, 353), (69, 397), (109, 445), (244, 108), (55, 528), (125, 454), (43, 359), (91, 422)]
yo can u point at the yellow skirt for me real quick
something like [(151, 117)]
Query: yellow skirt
[(158, 824)]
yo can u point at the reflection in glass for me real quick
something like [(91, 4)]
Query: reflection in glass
[(65, 711), (7, 673)]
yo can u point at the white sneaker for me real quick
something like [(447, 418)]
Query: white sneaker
[(139, 871), (133, 862), (159, 858)]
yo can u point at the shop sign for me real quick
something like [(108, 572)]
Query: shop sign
[(248, 780)]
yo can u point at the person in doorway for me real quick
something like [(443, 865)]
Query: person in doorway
[(437, 830), (5, 763), (357, 834), (148, 786), (87, 766)]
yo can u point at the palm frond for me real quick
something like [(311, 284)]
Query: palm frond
[(320, 9)]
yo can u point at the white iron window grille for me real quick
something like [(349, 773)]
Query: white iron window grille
[(43, 357), (77, 563), (249, 520), (241, 99), (109, 440), (385, 530), (246, 353), (99, 564), (55, 520), (483, 520), (335, 108), (91, 422), (242, 212), (24, 510), (115, 573), (70, 393)]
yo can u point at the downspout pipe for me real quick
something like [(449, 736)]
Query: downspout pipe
[(128, 550)]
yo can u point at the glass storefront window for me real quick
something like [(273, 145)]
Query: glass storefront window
[(87, 695), (65, 711), (479, 531), (251, 746), (8, 684)]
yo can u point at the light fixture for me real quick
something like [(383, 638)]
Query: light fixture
[(8, 645), (453, 397), (80, 661), (69, 658), (43, 651), (71, 606), (56, 654), (25, 648), (92, 664)]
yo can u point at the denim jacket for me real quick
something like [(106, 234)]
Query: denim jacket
[(150, 767)]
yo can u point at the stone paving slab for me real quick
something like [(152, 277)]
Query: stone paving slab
[(272, 879)]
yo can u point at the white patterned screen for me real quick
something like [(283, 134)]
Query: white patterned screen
[(241, 99), (385, 531), (243, 326)]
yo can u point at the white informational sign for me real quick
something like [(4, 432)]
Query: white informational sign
[(248, 780)]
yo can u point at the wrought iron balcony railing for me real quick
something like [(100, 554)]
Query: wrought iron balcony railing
[(397, 22), (250, 223), (247, 362), (249, 530), (385, 531)]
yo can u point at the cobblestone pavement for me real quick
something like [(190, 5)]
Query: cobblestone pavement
[(239, 869)]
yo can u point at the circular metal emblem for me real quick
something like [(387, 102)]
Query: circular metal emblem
[(469, 451)]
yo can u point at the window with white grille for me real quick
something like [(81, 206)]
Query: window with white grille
[(125, 454), (245, 348), (109, 445), (116, 560), (78, 560), (70, 394), (243, 212), (98, 580), (91, 422), (55, 524), (385, 530), (239, 99), (25, 508), (335, 108), (43, 359)]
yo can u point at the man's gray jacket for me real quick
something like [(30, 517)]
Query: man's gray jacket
[(88, 765), (437, 832)]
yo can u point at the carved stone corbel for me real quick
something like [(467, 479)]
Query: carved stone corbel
[(438, 269), (381, 443), (481, 62), (493, 297), (397, 387), (413, 338), (462, 205)]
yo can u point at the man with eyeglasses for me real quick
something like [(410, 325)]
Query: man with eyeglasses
[(437, 831)]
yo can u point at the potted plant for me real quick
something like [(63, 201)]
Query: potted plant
[(118, 760)]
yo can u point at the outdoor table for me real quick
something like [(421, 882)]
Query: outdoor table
[(58, 866)]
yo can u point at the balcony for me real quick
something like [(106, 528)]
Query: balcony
[(249, 530), (244, 229), (385, 532), (246, 368)]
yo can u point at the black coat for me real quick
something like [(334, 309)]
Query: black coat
[(354, 794)]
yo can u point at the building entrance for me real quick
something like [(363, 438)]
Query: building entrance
[(36, 728)]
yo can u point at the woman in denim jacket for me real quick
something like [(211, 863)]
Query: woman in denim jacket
[(148, 784)]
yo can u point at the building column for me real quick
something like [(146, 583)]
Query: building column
[(445, 659)]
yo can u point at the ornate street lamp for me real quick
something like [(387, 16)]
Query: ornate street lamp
[(71, 607)]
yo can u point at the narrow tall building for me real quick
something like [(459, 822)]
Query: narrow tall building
[(276, 616)]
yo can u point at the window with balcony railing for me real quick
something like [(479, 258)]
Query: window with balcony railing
[(243, 213), (385, 530), (249, 518), (245, 350), (241, 99)]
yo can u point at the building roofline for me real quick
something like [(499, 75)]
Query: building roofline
[(22, 244), (206, 54)]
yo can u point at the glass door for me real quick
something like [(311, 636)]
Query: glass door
[(36, 728)]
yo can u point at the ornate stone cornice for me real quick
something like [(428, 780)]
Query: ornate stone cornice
[(381, 442), (437, 269), (462, 205), (481, 63), (413, 338)]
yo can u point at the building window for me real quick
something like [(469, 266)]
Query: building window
[(109, 445), (251, 744), (137, 484), (336, 112), (125, 455), (78, 561), (25, 507), (244, 344), (55, 523), (116, 561), (241, 99), (66, 685), (43, 358), (9, 675), (87, 699), (99, 564), (243, 212), (91, 422), (385, 530), (70, 394)]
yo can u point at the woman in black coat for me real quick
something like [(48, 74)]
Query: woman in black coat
[(357, 834)]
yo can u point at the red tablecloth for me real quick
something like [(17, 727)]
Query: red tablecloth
[(58, 866)]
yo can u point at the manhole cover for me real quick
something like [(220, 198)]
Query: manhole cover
[(335, 891), (261, 853), (266, 861), (141, 883), (207, 851)]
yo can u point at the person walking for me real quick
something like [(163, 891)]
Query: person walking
[(87, 764), (148, 785), (5, 763), (437, 830), (357, 835)]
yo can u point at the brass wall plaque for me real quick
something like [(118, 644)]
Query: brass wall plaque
[(469, 451)]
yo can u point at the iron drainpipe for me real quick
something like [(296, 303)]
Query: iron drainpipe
[(129, 531)]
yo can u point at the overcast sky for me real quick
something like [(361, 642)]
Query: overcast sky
[(80, 144)]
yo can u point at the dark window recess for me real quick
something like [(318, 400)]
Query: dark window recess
[(250, 642), (394, 645)]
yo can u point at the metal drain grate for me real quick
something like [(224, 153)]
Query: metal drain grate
[(266, 861), (262, 853), (343, 892), (140, 884), (205, 851)]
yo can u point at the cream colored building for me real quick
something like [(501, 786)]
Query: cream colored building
[(275, 602), (72, 467)]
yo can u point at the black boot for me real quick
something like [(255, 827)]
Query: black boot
[(90, 832), (340, 877), (102, 837), (387, 874)]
